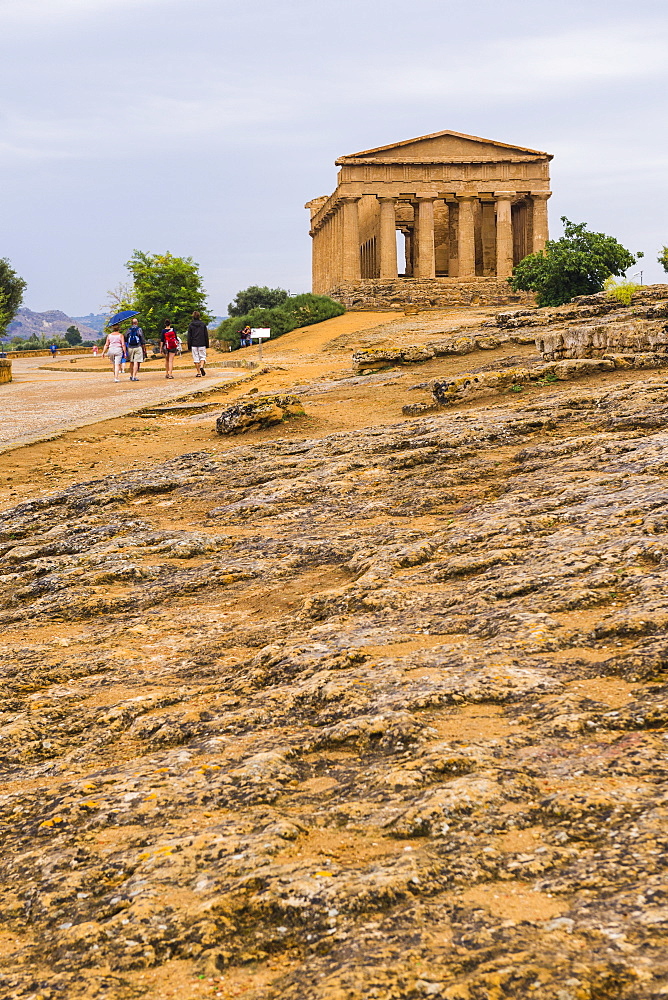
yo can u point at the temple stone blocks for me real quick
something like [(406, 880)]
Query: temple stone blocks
[(465, 208), (378, 294)]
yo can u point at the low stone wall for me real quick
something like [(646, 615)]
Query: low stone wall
[(427, 293), (5, 370), (47, 354)]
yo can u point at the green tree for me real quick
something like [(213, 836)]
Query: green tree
[(166, 287), (576, 264), (73, 336), (12, 288), (663, 258), (256, 297)]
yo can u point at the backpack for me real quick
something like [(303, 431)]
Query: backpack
[(133, 339), (171, 340)]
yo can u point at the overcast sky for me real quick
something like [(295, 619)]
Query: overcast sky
[(202, 126)]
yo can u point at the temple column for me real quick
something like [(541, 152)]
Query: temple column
[(453, 218), (504, 233), (323, 253), (315, 262), (466, 236), (333, 253), (408, 252), (540, 229), (424, 238), (350, 239), (388, 238), (442, 237), (488, 234)]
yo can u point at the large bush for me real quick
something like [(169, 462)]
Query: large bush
[(300, 310), (576, 264)]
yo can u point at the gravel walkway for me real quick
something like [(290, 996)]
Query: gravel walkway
[(38, 404)]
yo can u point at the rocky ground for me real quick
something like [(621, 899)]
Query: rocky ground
[(372, 712)]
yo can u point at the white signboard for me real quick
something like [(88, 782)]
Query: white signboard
[(260, 333)]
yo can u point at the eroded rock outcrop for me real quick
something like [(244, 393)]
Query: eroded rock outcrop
[(257, 413)]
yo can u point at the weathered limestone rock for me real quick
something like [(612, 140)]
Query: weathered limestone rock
[(637, 328), (398, 734), (260, 412), (596, 340), (445, 392), (386, 357), (5, 370)]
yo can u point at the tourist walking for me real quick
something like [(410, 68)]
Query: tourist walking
[(198, 341), (114, 346), (95, 349), (169, 344), (135, 343)]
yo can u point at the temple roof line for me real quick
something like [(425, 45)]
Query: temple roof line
[(438, 135), (426, 160)]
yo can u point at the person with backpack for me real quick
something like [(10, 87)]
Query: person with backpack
[(135, 346), (198, 341), (169, 345)]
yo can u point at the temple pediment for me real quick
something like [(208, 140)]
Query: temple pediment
[(442, 146)]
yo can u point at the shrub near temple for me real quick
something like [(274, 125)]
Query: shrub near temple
[(576, 264), (621, 291), (299, 310)]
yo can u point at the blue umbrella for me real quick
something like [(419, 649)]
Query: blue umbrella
[(121, 316)]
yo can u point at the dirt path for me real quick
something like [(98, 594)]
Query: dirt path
[(41, 402), (311, 339), (38, 404)]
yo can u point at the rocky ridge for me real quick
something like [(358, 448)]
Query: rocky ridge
[(383, 712)]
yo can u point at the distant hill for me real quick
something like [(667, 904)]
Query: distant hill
[(52, 323), (95, 321)]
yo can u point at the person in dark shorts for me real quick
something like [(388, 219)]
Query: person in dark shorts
[(198, 341), (169, 345)]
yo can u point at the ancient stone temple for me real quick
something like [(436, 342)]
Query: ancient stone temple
[(468, 210)]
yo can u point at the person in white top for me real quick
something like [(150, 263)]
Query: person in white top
[(115, 347)]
